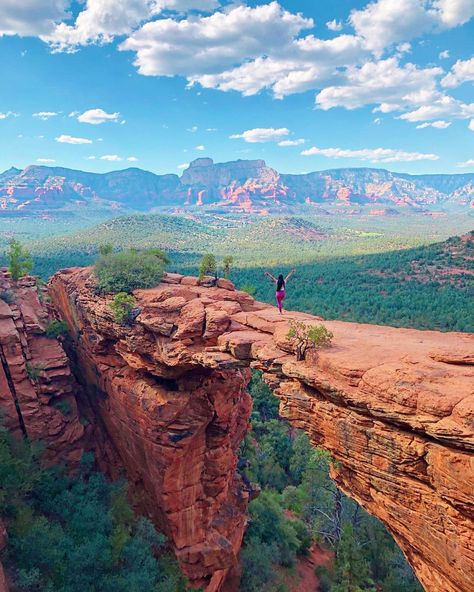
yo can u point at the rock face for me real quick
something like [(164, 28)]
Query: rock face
[(37, 389), (394, 406)]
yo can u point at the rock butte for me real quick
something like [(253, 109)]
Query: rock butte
[(167, 401)]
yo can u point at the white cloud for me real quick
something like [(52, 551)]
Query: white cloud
[(462, 71), (97, 116), (102, 20), (334, 25), (182, 166), (45, 115), (304, 64), (91, 157), (8, 114), (31, 17), (65, 139), (209, 45), (377, 121), (111, 157), (285, 143), (384, 82), (466, 163), (471, 125), (440, 106), (385, 22), (193, 129), (45, 160), (201, 148), (444, 55), (132, 159), (259, 135), (440, 124), (371, 154)]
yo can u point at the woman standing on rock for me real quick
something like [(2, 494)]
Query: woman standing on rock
[(280, 287)]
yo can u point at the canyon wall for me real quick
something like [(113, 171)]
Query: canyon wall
[(37, 389), (394, 406)]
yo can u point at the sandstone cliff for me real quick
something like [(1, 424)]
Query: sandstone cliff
[(37, 389), (394, 406)]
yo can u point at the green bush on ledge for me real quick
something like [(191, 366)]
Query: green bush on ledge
[(129, 270)]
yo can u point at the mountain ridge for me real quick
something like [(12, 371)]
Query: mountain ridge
[(241, 185)]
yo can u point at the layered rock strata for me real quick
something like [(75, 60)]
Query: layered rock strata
[(394, 406), (37, 389)]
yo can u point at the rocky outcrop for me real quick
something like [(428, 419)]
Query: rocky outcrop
[(37, 389), (394, 406)]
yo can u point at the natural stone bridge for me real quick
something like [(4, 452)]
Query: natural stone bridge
[(167, 400)]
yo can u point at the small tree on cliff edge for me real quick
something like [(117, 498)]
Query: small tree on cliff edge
[(20, 262), (308, 336), (208, 265)]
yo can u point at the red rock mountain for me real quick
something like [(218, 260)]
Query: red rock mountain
[(167, 401), (242, 185)]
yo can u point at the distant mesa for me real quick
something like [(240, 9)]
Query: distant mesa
[(248, 186)]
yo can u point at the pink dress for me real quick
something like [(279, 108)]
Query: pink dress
[(280, 296)]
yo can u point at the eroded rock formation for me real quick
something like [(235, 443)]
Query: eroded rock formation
[(37, 389), (394, 406)]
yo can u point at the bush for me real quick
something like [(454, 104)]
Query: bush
[(308, 336), (129, 270), (208, 265), (55, 329), (34, 371), (20, 262), (122, 306)]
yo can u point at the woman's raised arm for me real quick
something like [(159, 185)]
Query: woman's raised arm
[(289, 275), (270, 276)]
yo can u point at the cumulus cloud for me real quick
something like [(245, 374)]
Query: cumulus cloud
[(8, 114), (372, 154), (132, 159), (466, 163), (384, 83), (31, 17), (45, 160), (97, 116), (201, 148), (285, 143), (385, 22), (462, 71), (444, 55), (194, 46), (440, 124), (103, 20), (440, 106), (65, 139), (260, 135), (111, 157), (182, 166), (45, 115), (334, 25)]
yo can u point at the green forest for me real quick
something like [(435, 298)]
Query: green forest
[(299, 505), (76, 533)]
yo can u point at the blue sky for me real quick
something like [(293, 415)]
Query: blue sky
[(107, 84)]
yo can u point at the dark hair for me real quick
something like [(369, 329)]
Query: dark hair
[(280, 283)]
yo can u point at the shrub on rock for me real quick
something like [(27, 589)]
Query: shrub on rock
[(129, 270)]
